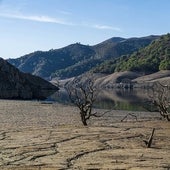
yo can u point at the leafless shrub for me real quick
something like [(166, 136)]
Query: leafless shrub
[(160, 96)]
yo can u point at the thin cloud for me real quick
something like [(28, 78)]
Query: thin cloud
[(47, 19), (106, 27), (64, 12), (37, 18), (101, 27)]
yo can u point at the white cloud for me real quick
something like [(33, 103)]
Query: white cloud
[(48, 19), (38, 18)]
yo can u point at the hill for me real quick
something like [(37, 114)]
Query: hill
[(122, 80), (150, 59), (161, 76), (76, 59), (112, 80), (17, 85), (44, 64), (116, 46)]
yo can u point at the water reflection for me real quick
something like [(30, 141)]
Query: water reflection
[(123, 99), (119, 99)]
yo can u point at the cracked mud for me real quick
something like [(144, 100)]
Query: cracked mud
[(36, 136)]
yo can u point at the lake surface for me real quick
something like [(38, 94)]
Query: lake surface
[(118, 99)]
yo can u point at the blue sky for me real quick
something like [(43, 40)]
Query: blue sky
[(31, 25)]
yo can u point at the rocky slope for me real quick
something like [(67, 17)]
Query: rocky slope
[(15, 84)]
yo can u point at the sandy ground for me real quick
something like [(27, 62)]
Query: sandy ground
[(39, 136)]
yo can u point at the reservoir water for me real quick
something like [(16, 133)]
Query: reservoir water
[(118, 99)]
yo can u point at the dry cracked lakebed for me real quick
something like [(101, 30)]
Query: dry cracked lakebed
[(38, 136)]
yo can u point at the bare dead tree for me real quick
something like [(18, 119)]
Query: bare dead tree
[(160, 96), (83, 95)]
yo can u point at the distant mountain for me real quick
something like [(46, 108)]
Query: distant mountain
[(115, 47), (76, 59), (17, 85), (147, 60)]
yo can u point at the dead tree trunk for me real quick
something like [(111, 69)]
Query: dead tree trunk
[(83, 119)]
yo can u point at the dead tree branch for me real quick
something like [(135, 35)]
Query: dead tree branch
[(129, 114), (149, 141)]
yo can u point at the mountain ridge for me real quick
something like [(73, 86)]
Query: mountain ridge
[(76, 58)]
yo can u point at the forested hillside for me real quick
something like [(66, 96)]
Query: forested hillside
[(150, 59)]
